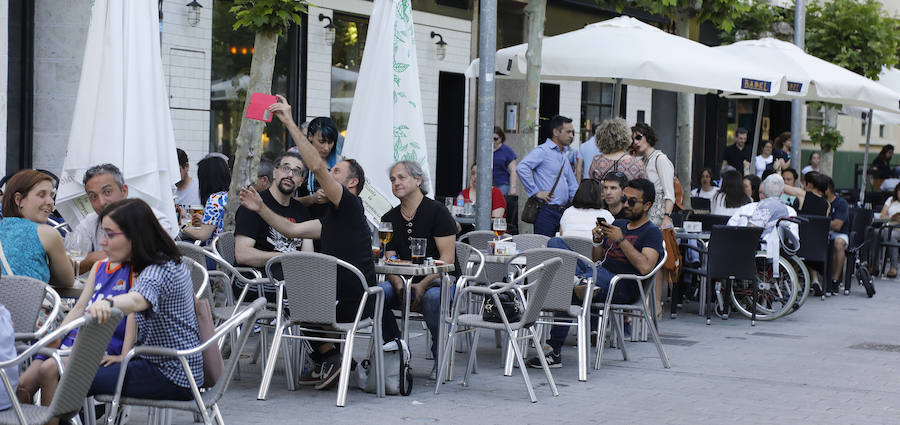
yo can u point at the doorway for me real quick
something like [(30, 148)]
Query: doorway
[(450, 134), (549, 108)]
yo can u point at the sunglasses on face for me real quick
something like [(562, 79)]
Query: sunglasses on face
[(638, 137), (496, 139), (631, 201)]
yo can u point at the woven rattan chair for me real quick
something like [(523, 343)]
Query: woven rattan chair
[(204, 404), (528, 241), (583, 246), (86, 353), (310, 285), (642, 308), (23, 296), (536, 283)]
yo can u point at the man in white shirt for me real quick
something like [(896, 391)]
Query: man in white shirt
[(104, 185), (187, 191)]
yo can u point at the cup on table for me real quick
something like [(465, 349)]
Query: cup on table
[(195, 209), (469, 209), (417, 249)]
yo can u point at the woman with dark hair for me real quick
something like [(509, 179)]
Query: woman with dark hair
[(790, 180), (31, 247), (215, 179), (881, 166), (660, 171), (706, 189), (587, 206), (322, 133), (812, 165), (731, 195), (891, 212), (469, 194), (764, 160), (812, 196), (505, 177), (162, 297), (751, 186)]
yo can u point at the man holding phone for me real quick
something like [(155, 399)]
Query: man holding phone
[(632, 245)]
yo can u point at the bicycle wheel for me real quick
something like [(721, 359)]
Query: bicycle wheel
[(804, 281), (865, 279), (775, 297)]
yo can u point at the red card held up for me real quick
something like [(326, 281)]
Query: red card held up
[(259, 107)]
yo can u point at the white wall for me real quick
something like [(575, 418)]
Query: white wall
[(456, 32), (4, 69), (60, 31), (186, 59), (638, 98)]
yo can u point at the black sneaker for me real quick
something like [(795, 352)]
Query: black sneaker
[(312, 376), (331, 370), (554, 361)]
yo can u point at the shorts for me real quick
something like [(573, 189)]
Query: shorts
[(837, 235)]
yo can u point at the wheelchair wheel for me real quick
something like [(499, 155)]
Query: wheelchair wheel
[(804, 281), (865, 279), (776, 296)]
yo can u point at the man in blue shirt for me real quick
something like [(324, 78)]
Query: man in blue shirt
[(539, 170), (586, 154), (840, 227)]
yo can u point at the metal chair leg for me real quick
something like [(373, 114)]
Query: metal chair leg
[(269, 367), (544, 365)]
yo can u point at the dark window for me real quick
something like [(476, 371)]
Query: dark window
[(462, 4)]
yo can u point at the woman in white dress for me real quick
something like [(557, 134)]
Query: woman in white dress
[(707, 189), (763, 159)]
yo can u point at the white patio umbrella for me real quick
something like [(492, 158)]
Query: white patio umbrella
[(889, 77), (386, 122), (122, 112), (629, 51), (814, 79)]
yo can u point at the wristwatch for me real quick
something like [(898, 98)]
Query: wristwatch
[(110, 301)]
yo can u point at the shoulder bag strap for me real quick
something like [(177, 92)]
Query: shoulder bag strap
[(5, 263), (555, 182)]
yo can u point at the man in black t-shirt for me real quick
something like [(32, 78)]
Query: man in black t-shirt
[(738, 155), (343, 233), (418, 217), (255, 241), (630, 246)]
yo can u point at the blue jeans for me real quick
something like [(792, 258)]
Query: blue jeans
[(626, 293), (431, 309), (504, 189), (142, 380), (547, 221)]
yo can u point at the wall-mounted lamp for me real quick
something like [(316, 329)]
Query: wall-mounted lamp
[(440, 46), (329, 30), (193, 13)]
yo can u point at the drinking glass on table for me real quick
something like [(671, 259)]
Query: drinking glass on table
[(417, 249), (385, 233), (76, 247), (499, 226)]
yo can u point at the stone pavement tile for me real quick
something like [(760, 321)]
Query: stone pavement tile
[(797, 369)]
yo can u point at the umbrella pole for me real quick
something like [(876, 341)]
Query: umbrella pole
[(759, 112), (617, 97), (862, 186)]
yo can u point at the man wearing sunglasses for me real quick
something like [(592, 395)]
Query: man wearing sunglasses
[(627, 246)]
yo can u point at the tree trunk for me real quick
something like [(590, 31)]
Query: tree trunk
[(684, 108), (248, 146), (529, 123), (827, 164), (528, 115)]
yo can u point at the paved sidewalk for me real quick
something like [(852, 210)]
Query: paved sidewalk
[(833, 362)]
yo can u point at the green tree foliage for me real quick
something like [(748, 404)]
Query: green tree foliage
[(759, 20), (267, 16), (720, 12), (857, 35)]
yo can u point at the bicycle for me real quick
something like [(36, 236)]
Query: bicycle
[(861, 271)]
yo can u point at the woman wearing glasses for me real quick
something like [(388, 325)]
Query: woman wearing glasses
[(162, 298), (613, 139), (505, 177), (30, 247)]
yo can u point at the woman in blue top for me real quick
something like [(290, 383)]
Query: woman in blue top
[(163, 299), (32, 248), (214, 178), (505, 177), (323, 135)]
